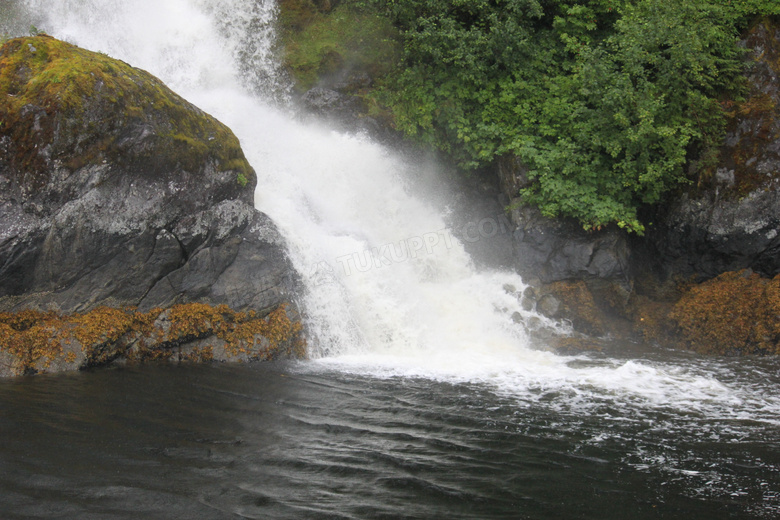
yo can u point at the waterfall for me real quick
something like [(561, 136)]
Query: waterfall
[(383, 273), (250, 34), (388, 286)]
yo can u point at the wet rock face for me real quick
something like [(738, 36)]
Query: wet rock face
[(732, 221), (556, 249), (331, 103), (705, 238), (343, 110), (579, 277), (116, 191)]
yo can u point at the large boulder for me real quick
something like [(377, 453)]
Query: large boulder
[(116, 191), (559, 249), (555, 249)]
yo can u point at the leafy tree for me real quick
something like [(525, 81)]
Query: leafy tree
[(604, 100)]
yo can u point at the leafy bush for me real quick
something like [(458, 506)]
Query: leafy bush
[(604, 100)]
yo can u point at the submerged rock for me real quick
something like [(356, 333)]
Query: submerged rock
[(116, 191)]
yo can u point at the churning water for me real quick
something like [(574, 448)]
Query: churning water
[(426, 394)]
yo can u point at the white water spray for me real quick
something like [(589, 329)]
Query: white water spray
[(388, 288)]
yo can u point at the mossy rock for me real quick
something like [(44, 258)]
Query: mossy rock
[(116, 191), (63, 106), (325, 42)]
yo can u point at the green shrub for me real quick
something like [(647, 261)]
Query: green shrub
[(604, 100)]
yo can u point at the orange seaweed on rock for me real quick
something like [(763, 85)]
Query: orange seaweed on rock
[(34, 340), (244, 333), (30, 338), (737, 312), (277, 333)]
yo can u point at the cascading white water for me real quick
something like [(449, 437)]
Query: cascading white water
[(388, 287), (383, 273)]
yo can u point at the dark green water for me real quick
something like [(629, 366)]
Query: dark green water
[(304, 441)]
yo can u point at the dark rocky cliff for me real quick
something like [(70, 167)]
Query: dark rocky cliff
[(730, 219), (115, 191)]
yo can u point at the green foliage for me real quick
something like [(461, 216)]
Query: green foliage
[(742, 12), (604, 100), (349, 37), (636, 104)]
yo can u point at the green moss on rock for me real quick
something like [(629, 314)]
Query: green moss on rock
[(63, 105), (322, 41)]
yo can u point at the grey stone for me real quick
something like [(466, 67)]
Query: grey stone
[(558, 249), (128, 224), (548, 305)]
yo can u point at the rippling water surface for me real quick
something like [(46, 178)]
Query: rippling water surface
[(304, 440)]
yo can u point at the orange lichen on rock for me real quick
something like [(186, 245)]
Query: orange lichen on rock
[(29, 337), (579, 306), (735, 313), (46, 341)]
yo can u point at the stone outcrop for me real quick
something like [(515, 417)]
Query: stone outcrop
[(559, 249), (114, 191), (728, 220), (731, 219), (341, 108)]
